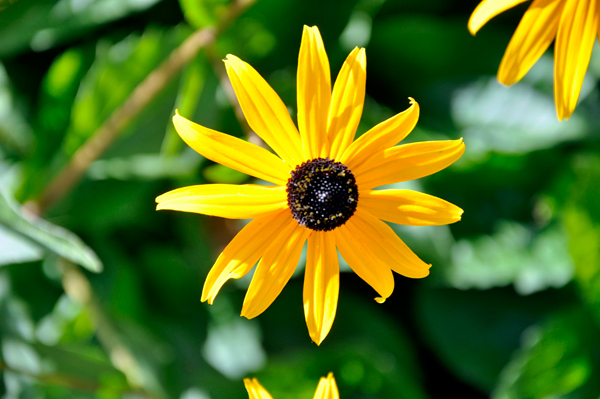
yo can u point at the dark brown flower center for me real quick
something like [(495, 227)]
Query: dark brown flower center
[(322, 194)]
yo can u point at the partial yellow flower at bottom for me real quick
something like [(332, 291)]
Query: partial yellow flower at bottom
[(574, 24), (323, 190), (327, 389)]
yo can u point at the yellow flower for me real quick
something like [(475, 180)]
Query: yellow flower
[(323, 187), (327, 389), (574, 23)]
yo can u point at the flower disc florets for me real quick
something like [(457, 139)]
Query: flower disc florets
[(322, 194)]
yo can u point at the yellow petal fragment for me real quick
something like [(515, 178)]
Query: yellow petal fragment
[(386, 134), (487, 10), (321, 285), (384, 242), (407, 162), (231, 201), (327, 388), (242, 253), (347, 102), (533, 36), (275, 268), (409, 207), (255, 389), (572, 52), (232, 152), (313, 93), (266, 114), (357, 249)]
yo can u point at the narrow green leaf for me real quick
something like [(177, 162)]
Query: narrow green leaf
[(190, 90), (554, 359), (48, 235), (43, 24)]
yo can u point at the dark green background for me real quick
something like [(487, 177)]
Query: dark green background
[(510, 310)]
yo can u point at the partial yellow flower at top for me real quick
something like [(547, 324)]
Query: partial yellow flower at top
[(327, 389), (323, 187), (574, 23)]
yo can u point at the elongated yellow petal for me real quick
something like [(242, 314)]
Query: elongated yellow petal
[(533, 36), (487, 10), (242, 253), (266, 114), (327, 388), (255, 390), (313, 93), (347, 102), (232, 152), (233, 201), (275, 268), (407, 162), (356, 248), (409, 207), (384, 242), (386, 134), (572, 52), (321, 285)]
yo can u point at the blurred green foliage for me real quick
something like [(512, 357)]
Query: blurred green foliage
[(511, 309)]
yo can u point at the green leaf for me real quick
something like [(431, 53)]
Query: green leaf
[(474, 332), (480, 109), (15, 132), (41, 24), (585, 249), (48, 235), (202, 13), (514, 254), (190, 90), (554, 359), (581, 215), (117, 70)]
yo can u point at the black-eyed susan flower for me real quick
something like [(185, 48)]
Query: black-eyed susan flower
[(323, 187), (574, 24), (327, 389)]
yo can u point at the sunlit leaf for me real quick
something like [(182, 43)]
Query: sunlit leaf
[(190, 90), (40, 25), (554, 359), (513, 255), (50, 236), (115, 73), (204, 13), (519, 120)]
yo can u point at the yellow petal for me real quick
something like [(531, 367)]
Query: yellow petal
[(572, 52), (313, 93), (386, 134), (409, 207), (255, 390), (242, 253), (532, 38), (231, 201), (275, 268), (232, 152), (487, 10), (321, 285), (347, 102), (407, 162), (266, 114), (357, 249), (384, 242), (327, 388)]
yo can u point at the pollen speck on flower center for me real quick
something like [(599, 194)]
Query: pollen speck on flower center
[(322, 194)]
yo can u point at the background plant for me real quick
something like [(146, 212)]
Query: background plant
[(87, 89)]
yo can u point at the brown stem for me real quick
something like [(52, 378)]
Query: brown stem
[(141, 96), (79, 289)]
